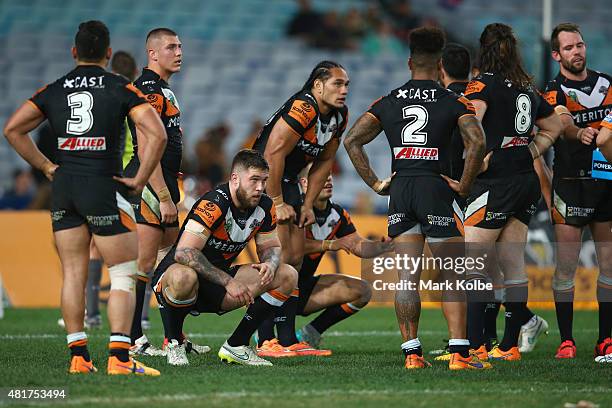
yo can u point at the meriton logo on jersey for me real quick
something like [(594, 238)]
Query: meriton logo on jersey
[(415, 153), (81, 143)]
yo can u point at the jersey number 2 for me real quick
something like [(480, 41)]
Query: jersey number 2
[(411, 133), (81, 118)]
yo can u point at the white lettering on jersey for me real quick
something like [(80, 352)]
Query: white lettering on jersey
[(84, 82)]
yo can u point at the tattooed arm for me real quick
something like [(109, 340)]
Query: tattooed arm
[(363, 132), (269, 253), (475, 144)]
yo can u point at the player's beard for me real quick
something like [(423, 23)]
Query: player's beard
[(567, 64), (243, 198)]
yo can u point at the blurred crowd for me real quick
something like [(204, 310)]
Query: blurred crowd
[(383, 27)]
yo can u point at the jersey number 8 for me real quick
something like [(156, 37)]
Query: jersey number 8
[(522, 120), (411, 133), (81, 118)]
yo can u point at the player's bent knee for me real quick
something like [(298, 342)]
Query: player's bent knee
[(122, 276), (288, 276), (182, 280), (365, 292)]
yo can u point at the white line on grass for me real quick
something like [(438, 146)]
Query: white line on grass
[(313, 393), (365, 333)]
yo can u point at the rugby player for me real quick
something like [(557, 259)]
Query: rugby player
[(86, 109), (505, 196), (583, 98), (196, 274), (156, 212), (454, 75), (122, 63), (422, 206), (340, 295), (306, 129)]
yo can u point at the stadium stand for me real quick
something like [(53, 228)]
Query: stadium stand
[(238, 63)]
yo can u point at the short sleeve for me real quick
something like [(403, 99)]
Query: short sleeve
[(300, 116), (553, 96), (207, 213), (39, 99), (269, 222), (346, 225), (544, 108), (478, 88), (377, 108), (132, 96), (464, 106)]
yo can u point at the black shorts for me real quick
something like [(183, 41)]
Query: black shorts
[(306, 285), (146, 207), (492, 202), (579, 202), (210, 295), (425, 202), (292, 195), (99, 201)]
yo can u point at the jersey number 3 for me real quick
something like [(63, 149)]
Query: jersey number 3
[(81, 118), (418, 117)]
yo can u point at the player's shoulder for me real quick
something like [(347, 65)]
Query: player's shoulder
[(480, 82), (338, 208), (213, 204), (302, 107), (148, 82)]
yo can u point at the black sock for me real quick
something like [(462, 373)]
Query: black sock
[(516, 315), (491, 313), (136, 332), (119, 346), (528, 314), (80, 349), (172, 317), (265, 331), (604, 298), (477, 303), (412, 347), (94, 274), (463, 348), (331, 316), (285, 322), (564, 306), (259, 311)]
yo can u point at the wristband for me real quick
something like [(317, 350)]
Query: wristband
[(327, 243), (278, 200), (163, 195)]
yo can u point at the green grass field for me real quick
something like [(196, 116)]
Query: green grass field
[(365, 370)]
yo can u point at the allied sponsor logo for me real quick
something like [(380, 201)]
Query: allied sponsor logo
[(515, 141), (415, 153), (102, 220), (81, 143)]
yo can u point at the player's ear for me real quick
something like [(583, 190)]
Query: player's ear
[(555, 55), (410, 63), (73, 51), (109, 53)]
